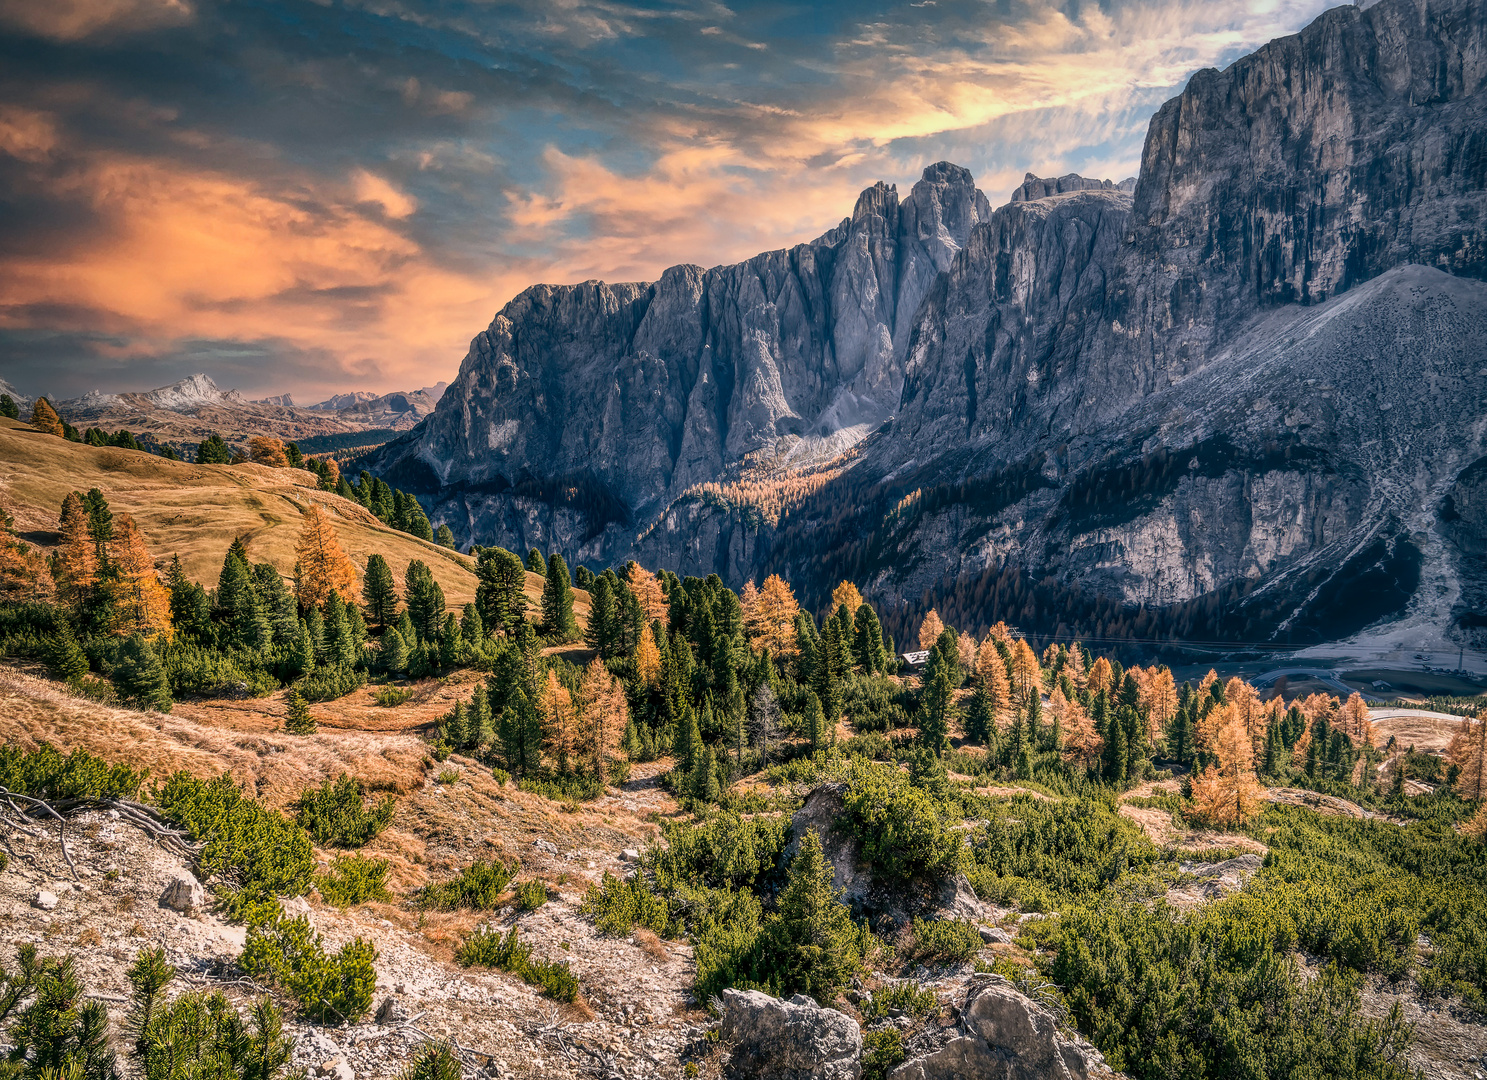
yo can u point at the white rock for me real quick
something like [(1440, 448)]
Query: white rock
[(184, 893), (46, 900), (630, 855)]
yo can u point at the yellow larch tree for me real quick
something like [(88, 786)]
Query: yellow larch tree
[(267, 450), (1205, 686), (45, 418), (1246, 702), (1159, 696), (602, 716), (1477, 826), (846, 593), (1353, 718), (1027, 676), (1101, 676), (1208, 724), (930, 629), (24, 574), (1075, 668), (75, 565), (1082, 743), (769, 617), (999, 632), (1050, 656), (965, 652), (141, 602), (321, 565), (1468, 752), (648, 657), (560, 727), (1227, 794), (648, 593)]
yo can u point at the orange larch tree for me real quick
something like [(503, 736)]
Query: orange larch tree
[(1075, 668), (24, 574), (1159, 696), (930, 629), (1082, 743), (769, 617), (141, 602), (75, 565), (846, 593), (648, 593), (1027, 676), (560, 728), (321, 564), (267, 450), (965, 652), (45, 418), (1354, 721), (1101, 676), (1468, 752), (1227, 794), (648, 657), (602, 716)]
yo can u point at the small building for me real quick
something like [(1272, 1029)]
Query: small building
[(916, 659)]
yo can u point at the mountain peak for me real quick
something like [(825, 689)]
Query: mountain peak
[(191, 392), (1038, 187)]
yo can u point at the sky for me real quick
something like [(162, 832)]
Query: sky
[(316, 196)]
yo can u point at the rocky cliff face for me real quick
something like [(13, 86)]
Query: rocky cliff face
[(1238, 397)]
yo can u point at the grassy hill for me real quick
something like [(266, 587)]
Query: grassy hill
[(195, 511)]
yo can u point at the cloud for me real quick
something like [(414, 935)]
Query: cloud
[(374, 189), (71, 20)]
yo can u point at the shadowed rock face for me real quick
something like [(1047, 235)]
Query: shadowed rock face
[(1250, 385)]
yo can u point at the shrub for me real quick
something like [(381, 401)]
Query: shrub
[(899, 823), (328, 989), (882, 1052), (722, 851), (353, 879), (447, 776), (488, 948), (569, 787), (479, 887), (331, 682), (943, 939), (207, 672), (907, 997), (335, 813), (59, 1034), (432, 1061), (392, 696), (45, 774), (256, 851), (530, 895), (617, 907)]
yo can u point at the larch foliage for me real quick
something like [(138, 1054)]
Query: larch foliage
[(1477, 826), (602, 716), (1075, 667), (1210, 722), (1027, 676), (1354, 721), (648, 658), (1159, 698), (45, 418), (846, 593), (1468, 752), (1205, 686), (141, 602), (769, 616), (1246, 702), (24, 575), (965, 652), (75, 566), (322, 565), (930, 629), (1082, 743), (1100, 676), (648, 594), (267, 450), (1227, 794), (993, 675), (560, 728)]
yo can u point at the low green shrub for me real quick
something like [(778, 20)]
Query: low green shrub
[(193, 671), (617, 907), (331, 682), (907, 997), (44, 773), (479, 887), (447, 776), (568, 787), (530, 895), (390, 697), (432, 1061), (882, 1052), (353, 879), (328, 989), (944, 939), (255, 852), (902, 831), (489, 948), (724, 850), (336, 814)]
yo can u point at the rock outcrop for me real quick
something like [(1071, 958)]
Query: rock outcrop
[(184, 893), (1240, 401), (770, 1039), (1003, 1035)]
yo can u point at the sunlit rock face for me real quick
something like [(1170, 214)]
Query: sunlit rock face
[(1251, 386)]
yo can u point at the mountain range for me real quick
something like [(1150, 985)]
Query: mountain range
[(1239, 399)]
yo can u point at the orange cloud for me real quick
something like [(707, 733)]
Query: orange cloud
[(70, 20)]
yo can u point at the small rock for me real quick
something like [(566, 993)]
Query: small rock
[(391, 1012), (545, 845), (630, 855), (113, 815), (184, 893), (994, 935), (46, 900)]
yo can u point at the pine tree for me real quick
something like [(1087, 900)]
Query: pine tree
[(425, 601), (444, 537), (937, 711), (449, 644), (140, 676), (603, 632), (213, 451), (500, 595), (472, 628), (379, 592), (302, 653), (482, 723), (340, 647), (980, 723), (100, 526), (279, 607), (297, 718), (811, 939), (1115, 751), (703, 782), (829, 673), (454, 727), (190, 611), (536, 563), (65, 659), (558, 622), (237, 599), (688, 743), (8, 408), (868, 640), (394, 652), (520, 731), (814, 722)]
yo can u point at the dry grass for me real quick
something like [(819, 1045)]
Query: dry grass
[(651, 945)]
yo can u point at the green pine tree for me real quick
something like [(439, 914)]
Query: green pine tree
[(603, 632), (449, 644), (810, 940), (65, 659), (703, 783), (297, 718), (536, 563), (937, 711), (394, 653), (379, 592), (520, 731), (213, 451), (425, 601), (558, 622), (444, 537), (140, 677)]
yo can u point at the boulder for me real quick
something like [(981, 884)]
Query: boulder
[(184, 893), (46, 900), (391, 1012), (1006, 1036), (788, 1040)]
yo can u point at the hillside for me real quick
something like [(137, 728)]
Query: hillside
[(196, 511)]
